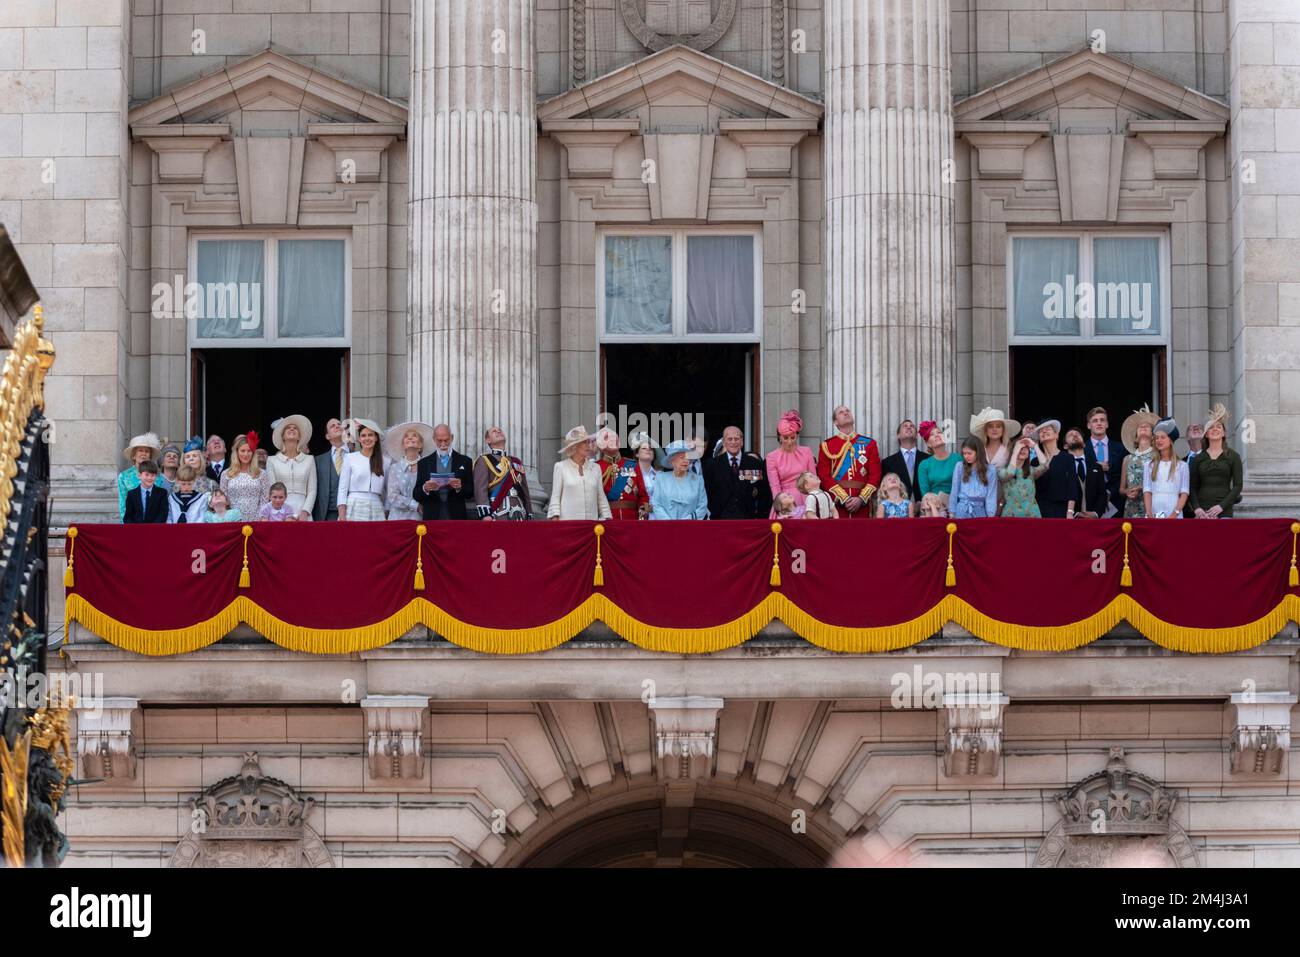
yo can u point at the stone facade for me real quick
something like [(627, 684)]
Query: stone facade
[(466, 149)]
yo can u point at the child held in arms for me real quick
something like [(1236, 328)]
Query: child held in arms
[(785, 507), (219, 509), (278, 509), (185, 504)]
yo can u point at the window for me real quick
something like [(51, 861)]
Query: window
[(1109, 287), (679, 285), (289, 290)]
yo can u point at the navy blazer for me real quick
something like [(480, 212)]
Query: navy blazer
[(457, 502), (731, 497), (158, 508), (1115, 451)]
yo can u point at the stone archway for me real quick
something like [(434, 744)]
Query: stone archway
[(663, 827)]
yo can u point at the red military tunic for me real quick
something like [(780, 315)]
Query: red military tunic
[(624, 487), (849, 466)]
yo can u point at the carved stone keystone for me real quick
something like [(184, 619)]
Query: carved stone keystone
[(395, 735)]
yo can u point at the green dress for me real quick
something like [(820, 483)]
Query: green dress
[(1135, 465), (1215, 481), (1020, 492), (935, 475)]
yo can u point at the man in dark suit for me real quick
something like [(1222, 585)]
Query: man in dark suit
[(904, 462), (1075, 487), (736, 480), (216, 458), (448, 501), (328, 466), (1100, 449), (146, 504)]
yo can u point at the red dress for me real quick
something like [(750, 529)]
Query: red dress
[(624, 487), (850, 466)]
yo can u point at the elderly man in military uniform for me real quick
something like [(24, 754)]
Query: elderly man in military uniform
[(500, 482)]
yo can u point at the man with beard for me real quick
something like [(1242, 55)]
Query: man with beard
[(1076, 487), (444, 498)]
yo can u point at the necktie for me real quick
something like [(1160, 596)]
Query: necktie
[(144, 501), (1100, 448), (907, 457), (1078, 467), (735, 467), (338, 460)]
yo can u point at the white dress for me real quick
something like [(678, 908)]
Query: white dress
[(299, 477), (1169, 483), (360, 490), (579, 496)]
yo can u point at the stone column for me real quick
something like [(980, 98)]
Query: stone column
[(472, 342), (1264, 163), (890, 343)]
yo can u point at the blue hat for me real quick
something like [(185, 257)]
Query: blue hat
[(681, 445), (194, 444), (1169, 427)]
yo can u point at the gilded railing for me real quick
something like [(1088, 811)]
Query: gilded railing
[(35, 753)]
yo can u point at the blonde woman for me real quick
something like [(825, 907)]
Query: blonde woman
[(1165, 482), (577, 484), (995, 431), (404, 445), (246, 485), (362, 482), (292, 465)]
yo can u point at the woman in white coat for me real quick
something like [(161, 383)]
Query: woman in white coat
[(576, 487), (361, 483), (292, 465)]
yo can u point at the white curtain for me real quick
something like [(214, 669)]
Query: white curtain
[(639, 285), (231, 274), (1131, 306), (310, 288), (720, 284), (1035, 264)]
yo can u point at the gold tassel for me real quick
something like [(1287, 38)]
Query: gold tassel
[(245, 580), (1126, 576), (950, 576), (420, 532), (1294, 578), (69, 580), (775, 579), (598, 580)]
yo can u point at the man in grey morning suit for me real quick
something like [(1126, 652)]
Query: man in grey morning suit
[(328, 466)]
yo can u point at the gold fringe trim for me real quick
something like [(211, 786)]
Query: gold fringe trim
[(693, 641)]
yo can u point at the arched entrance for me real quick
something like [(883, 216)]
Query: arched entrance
[(656, 830)]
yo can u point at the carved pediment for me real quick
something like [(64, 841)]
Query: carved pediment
[(679, 78), (268, 81), (1074, 91)]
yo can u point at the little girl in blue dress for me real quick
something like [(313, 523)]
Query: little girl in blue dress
[(894, 502)]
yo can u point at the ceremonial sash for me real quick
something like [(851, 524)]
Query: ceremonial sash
[(620, 481), (503, 487)]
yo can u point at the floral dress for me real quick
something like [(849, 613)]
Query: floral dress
[(1135, 468), (1020, 492), (400, 489), (894, 509), (246, 493)]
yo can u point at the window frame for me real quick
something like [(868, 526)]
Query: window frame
[(1087, 324), (270, 337), (680, 312)]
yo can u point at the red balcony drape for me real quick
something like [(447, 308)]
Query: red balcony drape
[(687, 587)]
